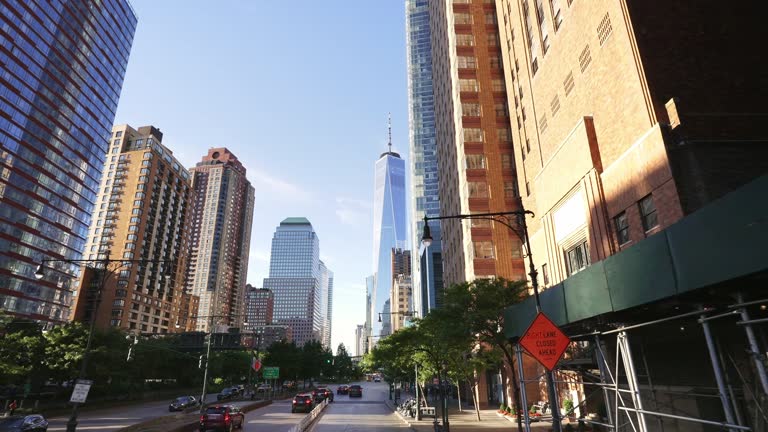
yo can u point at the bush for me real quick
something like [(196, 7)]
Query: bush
[(568, 405), (502, 408)]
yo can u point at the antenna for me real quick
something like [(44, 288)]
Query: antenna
[(389, 124)]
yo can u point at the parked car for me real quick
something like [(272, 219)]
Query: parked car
[(222, 417), (302, 402), (355, 390), (226, 394), (28, 423), (182, 403), (342, 389)]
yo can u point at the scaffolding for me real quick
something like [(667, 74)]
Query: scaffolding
[(621, 377)]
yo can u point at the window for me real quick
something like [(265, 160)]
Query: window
[(481, 223), (470, 109), (475, 161), (462, 18), (504, 135), (568, 83), (473, 135), (478, 189), (493, 39), (501, 109), (467, 62), (577, 258), (528, 145), (506, 161), (604, 29), (622, 227), (483, 249), (648, 213), (585, 58), (469, 85), (119, 133), (490, 18), (465, 40), (545, 274), (498, 84), (558, 17), (510, 191)]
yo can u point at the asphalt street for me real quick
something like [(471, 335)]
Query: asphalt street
[(366, 414)]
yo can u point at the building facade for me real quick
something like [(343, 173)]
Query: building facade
[(423, 169), (602, 178), (369, 293), (474, 142), (143, 213), (389, 219), (220, 238), (296, 279), (57, 104), (259, 307), (360, 340), (402, 298), (326, 292)]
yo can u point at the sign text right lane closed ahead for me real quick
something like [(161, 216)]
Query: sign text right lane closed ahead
[(544, 341)]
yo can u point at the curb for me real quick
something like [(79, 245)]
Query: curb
[(391, 406)]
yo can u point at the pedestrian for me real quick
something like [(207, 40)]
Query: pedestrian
[(12, 407)]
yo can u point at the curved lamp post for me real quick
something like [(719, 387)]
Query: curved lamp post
[(520, 228)]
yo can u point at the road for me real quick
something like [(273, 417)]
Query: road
[(366, 414), (112, 419)]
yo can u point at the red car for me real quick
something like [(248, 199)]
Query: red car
[(222, 417)]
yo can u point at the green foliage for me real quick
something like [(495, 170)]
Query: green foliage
[(345, 369), (568, 405)]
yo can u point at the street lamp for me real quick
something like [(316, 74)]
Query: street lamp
[(521, 230), (104, 263)]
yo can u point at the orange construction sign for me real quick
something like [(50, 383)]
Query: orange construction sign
[(544, 341)]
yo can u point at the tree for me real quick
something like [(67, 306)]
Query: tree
[(287, 356), (64, 349), (343, 362), (22, 348), (478, 307)]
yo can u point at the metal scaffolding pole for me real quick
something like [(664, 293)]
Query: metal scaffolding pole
[(754, 350), (602, 364), (631, 372), (523, 396), (718, 372)]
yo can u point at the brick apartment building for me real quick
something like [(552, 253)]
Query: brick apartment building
[(142, 213), (636, 124)]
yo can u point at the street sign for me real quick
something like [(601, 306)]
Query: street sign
[(544, 341), (80, 393), (271, 372)]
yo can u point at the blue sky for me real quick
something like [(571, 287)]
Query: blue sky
[(300, 92)]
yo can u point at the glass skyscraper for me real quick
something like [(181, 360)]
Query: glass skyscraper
[(389, 219), (299, 280), (63, 64), (427, 263)]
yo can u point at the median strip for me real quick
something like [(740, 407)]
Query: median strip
[(182, 422)]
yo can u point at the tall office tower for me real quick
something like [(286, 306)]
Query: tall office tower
[(295, 276), (401, 292), (369, 336), (389, 219), (360, 342), (475, 153), (386, 318), (326, 292), (602, 176), (221, 237), (259, 308), (428, 262), (63, 67), (143, 213)]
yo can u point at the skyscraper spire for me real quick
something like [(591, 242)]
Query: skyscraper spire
[(389, 125)]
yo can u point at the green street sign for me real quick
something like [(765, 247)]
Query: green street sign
[(271, 372)]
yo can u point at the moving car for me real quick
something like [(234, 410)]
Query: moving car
[(222, 417), (327, 393), (28, 423), (355, 390), (302, 402), (182, 403), (342, 389), (226, 394), (377, 379)]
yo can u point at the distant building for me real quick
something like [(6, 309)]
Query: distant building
[(423, 169), (360, 340), (389, 228), (63, 65), (369, 287), (299, 281), (259, 307), (144, 214), (221, 238), (402, 298)]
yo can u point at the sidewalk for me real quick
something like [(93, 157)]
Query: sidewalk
[(466, 421)]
